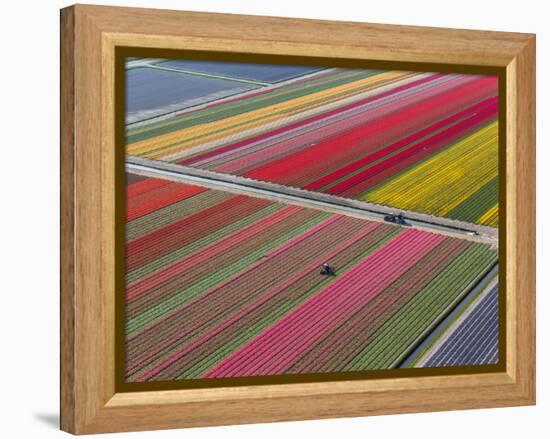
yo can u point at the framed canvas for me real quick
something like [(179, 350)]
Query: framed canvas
[(267, 219)]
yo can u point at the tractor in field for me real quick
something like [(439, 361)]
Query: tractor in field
[(328, 270)]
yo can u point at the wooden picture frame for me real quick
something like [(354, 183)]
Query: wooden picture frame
[(90, 36)]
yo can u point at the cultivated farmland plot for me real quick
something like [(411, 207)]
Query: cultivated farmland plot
[(225, 277)]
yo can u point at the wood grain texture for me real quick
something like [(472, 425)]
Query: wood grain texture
[(67, 360), (521, 222), (90, 34), (324, 38)]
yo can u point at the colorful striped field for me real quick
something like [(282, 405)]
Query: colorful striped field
[(227, 285), (426, 142), (460, 182), (471, 335)]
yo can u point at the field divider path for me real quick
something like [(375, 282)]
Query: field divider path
[(153, 63), (302, 197), (209, 75)]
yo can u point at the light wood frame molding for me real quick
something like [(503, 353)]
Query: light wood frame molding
[(89, 35)]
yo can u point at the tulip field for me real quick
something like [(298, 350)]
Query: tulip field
[(470, 337), (364, 134), (229, 285), (225, 282)]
